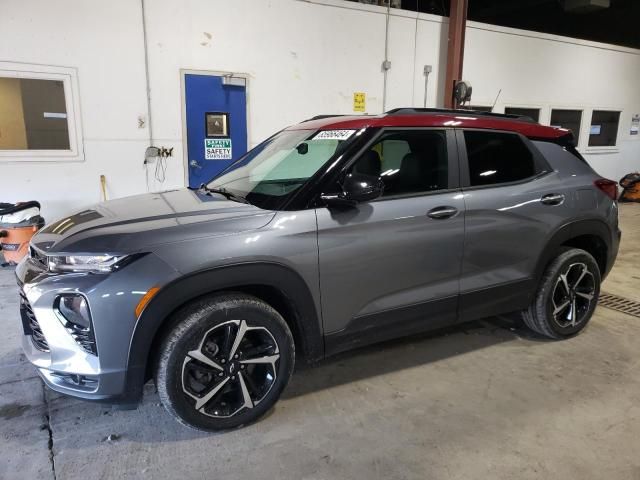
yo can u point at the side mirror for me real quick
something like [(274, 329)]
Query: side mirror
[(356, 188)]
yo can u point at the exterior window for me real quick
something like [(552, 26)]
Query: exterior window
[(480, 108), (33, 114), (497, 158), (569, 119), (604, 128), (39, 112), (408, 162), (533, 113)]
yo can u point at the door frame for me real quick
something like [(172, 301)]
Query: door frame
[(183, 109)]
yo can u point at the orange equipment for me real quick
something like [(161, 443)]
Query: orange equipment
[(631, 185), (18, 223)]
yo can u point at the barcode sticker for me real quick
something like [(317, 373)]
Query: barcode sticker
[(334, 135)]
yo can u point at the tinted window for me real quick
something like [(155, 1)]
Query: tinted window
[(532, 113), (408, 162), (497, 158), (567, 119), (604, 128)]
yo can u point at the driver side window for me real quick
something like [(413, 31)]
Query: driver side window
[(408, 162)]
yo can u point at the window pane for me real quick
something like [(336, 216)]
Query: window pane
[(217, 124), (533, 113), (480, 108), (497, 158), (33, 115), (604, 128), (567, 119), (408, 162)]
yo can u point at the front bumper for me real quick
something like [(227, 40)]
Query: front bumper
[(59, 359)]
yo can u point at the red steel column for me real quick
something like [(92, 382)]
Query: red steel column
[(455, 48)]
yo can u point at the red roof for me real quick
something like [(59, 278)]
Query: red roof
[(445, 119)]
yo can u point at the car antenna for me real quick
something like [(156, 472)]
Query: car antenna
[(495, 101)]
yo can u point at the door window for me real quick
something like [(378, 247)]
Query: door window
[(496, 157), (408, 161)]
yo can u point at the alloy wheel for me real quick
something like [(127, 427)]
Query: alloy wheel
[(232, 369), (572, 295)]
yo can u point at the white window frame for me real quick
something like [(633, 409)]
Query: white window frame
[(603, 148), (69, 78)]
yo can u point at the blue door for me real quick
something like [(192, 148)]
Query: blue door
[(216, 124)]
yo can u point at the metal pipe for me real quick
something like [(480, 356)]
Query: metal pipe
[(427, 70), (386, 65), (146, 72)]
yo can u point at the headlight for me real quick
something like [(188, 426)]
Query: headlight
[(84, 263)]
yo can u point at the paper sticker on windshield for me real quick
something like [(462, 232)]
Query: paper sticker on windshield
[(334, 135), (218, 149)]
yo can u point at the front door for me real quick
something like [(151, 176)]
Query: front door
[(391, 267), (216, 119)]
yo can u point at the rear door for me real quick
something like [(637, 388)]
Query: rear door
[(391, 266), (513, 202)]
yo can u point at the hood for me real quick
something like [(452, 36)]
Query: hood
[(132, 224)]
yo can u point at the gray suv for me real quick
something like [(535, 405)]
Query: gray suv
[(331, 234)]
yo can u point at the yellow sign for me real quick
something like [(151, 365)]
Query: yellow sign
[(359, 102)]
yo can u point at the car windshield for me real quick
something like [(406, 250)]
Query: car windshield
[(272, 172)]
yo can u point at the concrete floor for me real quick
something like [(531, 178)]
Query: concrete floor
[(487, 400)]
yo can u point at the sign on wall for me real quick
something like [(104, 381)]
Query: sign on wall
[(359, 102), (635, 125), (217, 149)]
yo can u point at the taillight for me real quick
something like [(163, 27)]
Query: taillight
[(609, 187)]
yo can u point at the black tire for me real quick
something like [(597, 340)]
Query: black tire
[(540, 317), (207, 325)]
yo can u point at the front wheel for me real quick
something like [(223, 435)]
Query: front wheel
[(225, 363), (567, 295)]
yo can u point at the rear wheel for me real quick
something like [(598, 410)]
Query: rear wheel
[(225, 363), (567, 295)]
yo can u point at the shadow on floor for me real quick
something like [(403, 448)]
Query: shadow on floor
[(403, 353)]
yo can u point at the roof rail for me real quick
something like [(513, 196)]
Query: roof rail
[(320, 117), (475, 113)]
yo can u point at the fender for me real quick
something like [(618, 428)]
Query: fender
[(574, 229), (187, 288)]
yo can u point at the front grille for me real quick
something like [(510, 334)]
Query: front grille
[(621, 304), (30, 325)]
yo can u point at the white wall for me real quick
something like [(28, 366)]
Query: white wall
[(103, 41), (302, 57), (545, 71)]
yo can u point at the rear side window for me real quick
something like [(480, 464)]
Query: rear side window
[(496, 157)]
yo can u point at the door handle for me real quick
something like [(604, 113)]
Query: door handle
[(552, 199), (440, 213), (194, 164)]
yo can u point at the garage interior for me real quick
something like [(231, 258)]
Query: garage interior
[(486, 399)]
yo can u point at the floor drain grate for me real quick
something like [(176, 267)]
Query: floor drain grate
[(621, 304)]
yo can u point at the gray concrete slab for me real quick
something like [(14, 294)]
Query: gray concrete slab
[(486, 400)]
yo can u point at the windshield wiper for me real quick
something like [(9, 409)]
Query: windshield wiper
[(225, 193)]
